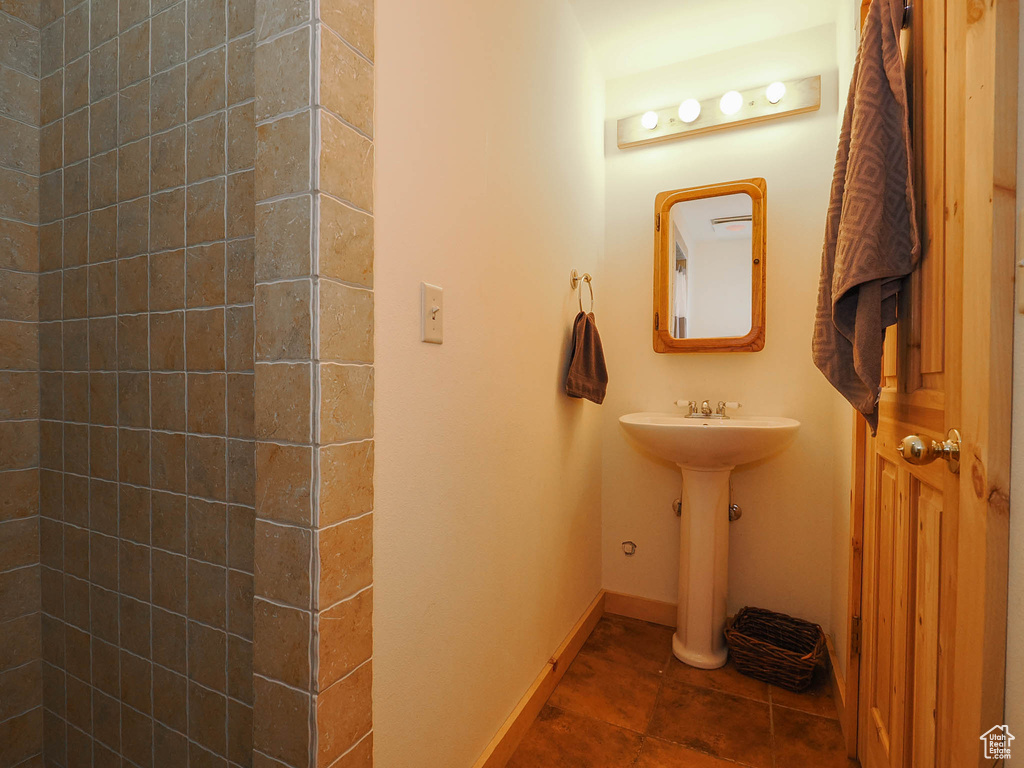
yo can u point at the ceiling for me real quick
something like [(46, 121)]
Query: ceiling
[(696, 215), (630, 36)]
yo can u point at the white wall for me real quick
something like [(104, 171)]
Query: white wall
[(1015, 606), (781, 550), (487, 528), (720, 276)]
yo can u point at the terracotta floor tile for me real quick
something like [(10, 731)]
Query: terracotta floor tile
[(560, 739), (607, 691), (664, 754), (803, 739), (817, 699), (726, 679), (637, 644), (717, 723)]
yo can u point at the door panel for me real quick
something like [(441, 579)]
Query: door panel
[(932, 581)]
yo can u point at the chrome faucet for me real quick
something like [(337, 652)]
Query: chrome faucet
[(703, 411)]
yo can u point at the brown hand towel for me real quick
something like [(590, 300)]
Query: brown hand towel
[(871, 241), (588, 376)]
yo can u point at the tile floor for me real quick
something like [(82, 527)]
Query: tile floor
[(627, 702)]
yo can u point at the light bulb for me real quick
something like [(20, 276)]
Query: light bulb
[(775, 92), (731, 102), (649, 120), (689, 110)]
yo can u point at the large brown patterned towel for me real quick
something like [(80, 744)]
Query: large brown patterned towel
[(871, 241)]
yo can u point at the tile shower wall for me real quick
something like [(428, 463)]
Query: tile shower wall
[(314, 383), (21, 714), (146, 345)]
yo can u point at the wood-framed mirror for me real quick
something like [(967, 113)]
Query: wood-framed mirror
[(709, 268)]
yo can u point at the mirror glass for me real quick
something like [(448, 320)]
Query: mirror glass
[(710, 288)]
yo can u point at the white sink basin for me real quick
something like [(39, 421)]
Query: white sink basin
[(706, 450), (709, 444)]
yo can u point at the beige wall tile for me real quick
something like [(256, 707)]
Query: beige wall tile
[(205, 156), (345, 637), (133, 170), (346, 481), (346, 323), (206, 25), (19, 296), (76, 32), (284, 478), (275, 16), (103, 72), (353, 21), (103, 180), (241, 17), (204, 217), (346, 163), (204, 277), (283, 321), (283, 74), (283, 230), (241, 137), (167, 220), (103, 22), (344, 714), (282, 156), (167, 391), (19, 95), (168, 38), (241, 204), (133, 54), (346, 82), (282, 645), (168, 159), (283, 562), (346, 559), (346, 403), (167, 280), (103, 125), (133, 284), (132, 227), (240, 286), (281, 718), (19, 146), (19, 345), (283, 400), (168, 98), (76, 85), (76, 136), (133, 112), (241, 80), (21, 200), (240, 342), (206, 88), (204, 339), (206, 409), (19, 395), (240, 404)]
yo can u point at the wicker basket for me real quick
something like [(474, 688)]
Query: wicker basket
[(775, 648)]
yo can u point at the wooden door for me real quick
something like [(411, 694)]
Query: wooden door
[(931, 610)]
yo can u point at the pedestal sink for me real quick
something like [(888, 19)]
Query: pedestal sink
[(706, 450)]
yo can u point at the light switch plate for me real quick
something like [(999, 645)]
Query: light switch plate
[(431, 313)]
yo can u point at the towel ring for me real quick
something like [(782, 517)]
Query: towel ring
[(579, 294)]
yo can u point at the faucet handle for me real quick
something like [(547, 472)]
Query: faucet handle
[(722, 405), (688, 404)]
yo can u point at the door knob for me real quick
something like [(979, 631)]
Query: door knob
[(922, 450)]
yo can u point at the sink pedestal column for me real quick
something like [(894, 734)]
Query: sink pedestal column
[(703, 569)]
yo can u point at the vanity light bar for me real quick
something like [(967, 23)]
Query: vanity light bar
[(798, 96)]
